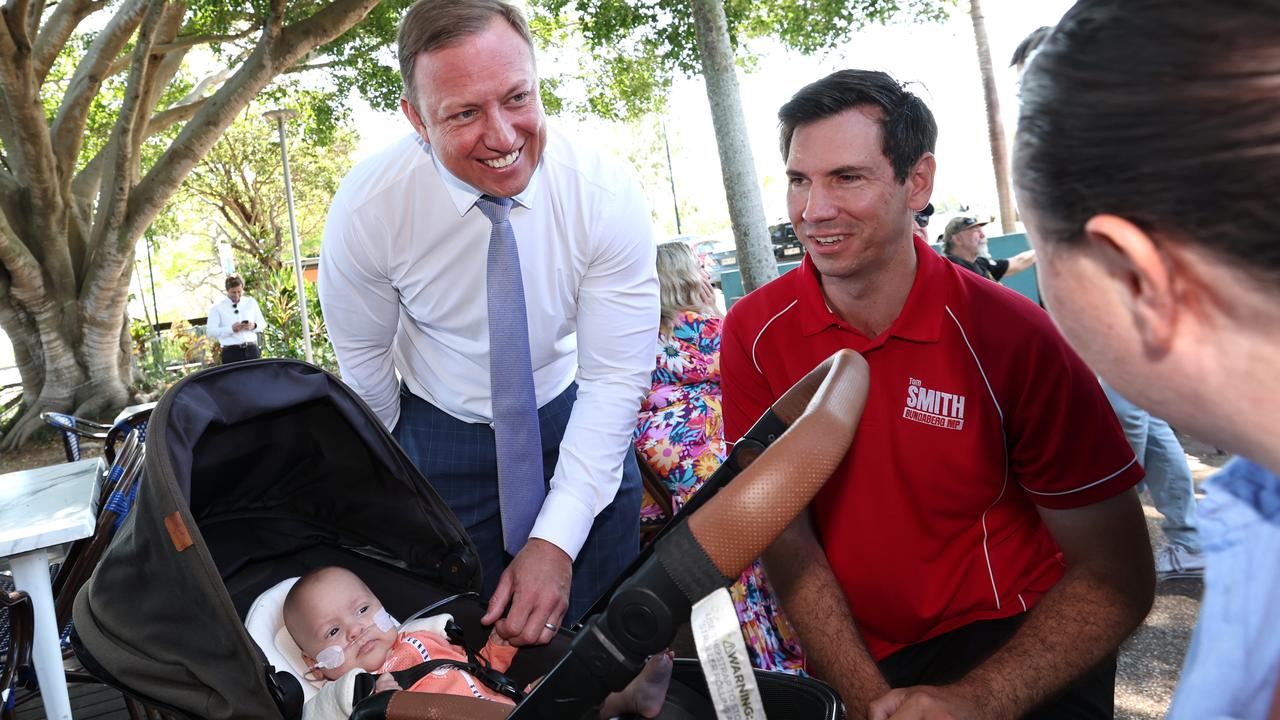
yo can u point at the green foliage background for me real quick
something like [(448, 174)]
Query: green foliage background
[(636, 48)]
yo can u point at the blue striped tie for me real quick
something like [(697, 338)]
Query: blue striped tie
[(515, 406)]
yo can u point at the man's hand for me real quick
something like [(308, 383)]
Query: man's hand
[(536, 585), (925, 702)]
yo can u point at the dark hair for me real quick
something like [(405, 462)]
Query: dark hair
[(1029, 44), (434, 24), (233, 281), (1164, 112), (907, 128)]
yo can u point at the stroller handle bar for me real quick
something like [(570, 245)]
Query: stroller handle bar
[(822, 410), (807, 432), (695, 557)]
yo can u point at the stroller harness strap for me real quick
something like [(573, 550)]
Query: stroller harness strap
[(476, 665), (491, 678)]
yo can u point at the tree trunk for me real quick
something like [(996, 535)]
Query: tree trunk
[(995, 127), (67, 238), (70, 354), (737, 166)]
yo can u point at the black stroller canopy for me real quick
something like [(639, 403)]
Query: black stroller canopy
[(258, 471), (246, 463)]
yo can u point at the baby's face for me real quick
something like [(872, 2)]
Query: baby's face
[(340, 611)]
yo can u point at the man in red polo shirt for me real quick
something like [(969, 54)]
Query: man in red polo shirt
[(981, 547)]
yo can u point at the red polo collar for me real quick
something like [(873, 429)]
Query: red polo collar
[(921, 316)]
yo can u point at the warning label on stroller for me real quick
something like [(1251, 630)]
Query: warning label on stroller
[(724, 658)]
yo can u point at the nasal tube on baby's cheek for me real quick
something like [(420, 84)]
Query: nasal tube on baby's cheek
[(330, 657), (383, 620)]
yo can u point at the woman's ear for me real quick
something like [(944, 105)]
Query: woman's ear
[(1146, 277)]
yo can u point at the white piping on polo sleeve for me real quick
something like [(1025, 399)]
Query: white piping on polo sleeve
[(1082, 487), (978, 362), (986, 553)]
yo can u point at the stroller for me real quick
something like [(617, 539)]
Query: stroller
[(260, 471)]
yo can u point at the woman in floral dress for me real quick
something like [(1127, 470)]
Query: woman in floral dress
[(681, 437)]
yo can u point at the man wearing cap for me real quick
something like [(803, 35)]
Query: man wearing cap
[(962, 241)]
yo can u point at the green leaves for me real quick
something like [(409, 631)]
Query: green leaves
[(636, 48)]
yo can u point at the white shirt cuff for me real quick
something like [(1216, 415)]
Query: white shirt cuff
[(564, 521)]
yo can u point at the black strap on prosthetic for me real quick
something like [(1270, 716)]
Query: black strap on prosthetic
[(687, 564), (761, 435)]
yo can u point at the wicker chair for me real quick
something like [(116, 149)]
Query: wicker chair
[(15, 645), (73, 429)]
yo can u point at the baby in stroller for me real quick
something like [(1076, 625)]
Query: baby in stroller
[(344, 632)]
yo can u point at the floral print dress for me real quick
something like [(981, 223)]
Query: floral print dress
[(681, 436)]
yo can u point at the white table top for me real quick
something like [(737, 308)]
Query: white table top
[(47, 506)]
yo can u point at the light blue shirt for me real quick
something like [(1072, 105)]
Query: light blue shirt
[(1234, 662)]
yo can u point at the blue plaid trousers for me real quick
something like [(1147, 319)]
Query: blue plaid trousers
[(460, 462)]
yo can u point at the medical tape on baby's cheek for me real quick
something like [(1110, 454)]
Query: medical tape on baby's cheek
[(330, 657), (334, 655)]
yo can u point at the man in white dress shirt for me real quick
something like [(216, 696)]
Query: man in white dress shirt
[(235, 322), (403, 282)]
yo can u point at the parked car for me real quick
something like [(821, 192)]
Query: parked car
[(725, 260), (786, 246)]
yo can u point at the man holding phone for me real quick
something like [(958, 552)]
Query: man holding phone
[(235, 322)]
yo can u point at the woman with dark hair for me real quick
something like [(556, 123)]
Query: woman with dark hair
[(1147, 161), (681, 436)]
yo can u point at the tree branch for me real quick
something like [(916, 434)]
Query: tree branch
[(27, 136), (123, 148), (68, 125), (186, 43), (34, 13), (165, 119), (314, 66), (52, 37), (85, 187), (198, 136), (277, 18), (180, 44), (6, 123), (9, 187), (197, 92), (161, 69), (24, 269), (15, 16)]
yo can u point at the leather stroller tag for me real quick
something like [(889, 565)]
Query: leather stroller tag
[(178, 532)]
